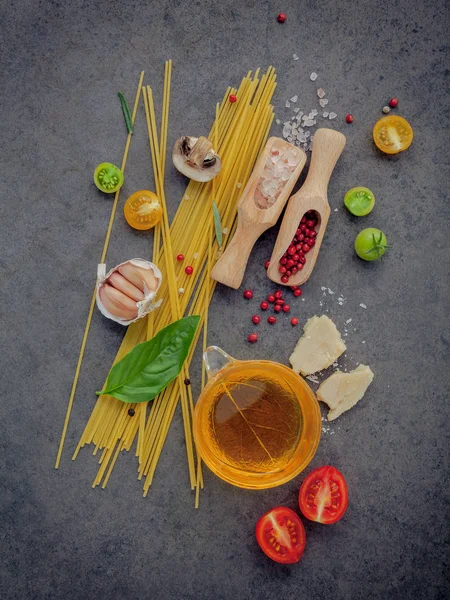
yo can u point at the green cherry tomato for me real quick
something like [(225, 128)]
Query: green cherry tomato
[(359, 201), (108, 178), (371, 244)]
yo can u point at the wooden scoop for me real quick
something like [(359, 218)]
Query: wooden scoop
[(253, 217), (327, 148)]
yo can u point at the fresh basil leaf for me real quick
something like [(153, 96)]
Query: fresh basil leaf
[(217, 224), (151, 366)]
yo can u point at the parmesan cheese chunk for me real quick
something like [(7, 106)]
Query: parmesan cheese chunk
[(320, 345), (342, 391)]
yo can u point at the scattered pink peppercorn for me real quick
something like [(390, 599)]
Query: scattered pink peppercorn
[(349, 118), (281, 18), (280, 302), (248, 294), (286, 308), (252, 338), (284, 279), (277, 308), (270, 298), (233, 99), (266, 264), (264, 305), (393, 102), (189, 270), (294, 321), (256, 319), (180, 257), (297, 292), (272, 320), (278, 294)]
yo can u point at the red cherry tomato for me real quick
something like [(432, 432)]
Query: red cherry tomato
[(323, 496), (281, 535)]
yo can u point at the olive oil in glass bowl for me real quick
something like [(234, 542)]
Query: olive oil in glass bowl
[(257, 423)]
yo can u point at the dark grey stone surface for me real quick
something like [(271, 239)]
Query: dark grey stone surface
[(61, 66)]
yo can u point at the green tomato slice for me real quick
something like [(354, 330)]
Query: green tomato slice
[(371, 244), (359, 201), (108, 178)]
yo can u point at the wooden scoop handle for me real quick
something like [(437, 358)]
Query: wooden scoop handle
[(230, 269), (327, 148)]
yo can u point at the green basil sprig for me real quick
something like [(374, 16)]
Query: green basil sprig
[(126, 112), (217, 224), (151, 366)]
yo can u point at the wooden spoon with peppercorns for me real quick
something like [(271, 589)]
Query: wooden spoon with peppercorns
[(306, 217)]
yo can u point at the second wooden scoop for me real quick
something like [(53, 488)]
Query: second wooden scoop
[(327, 148), (273, 178)]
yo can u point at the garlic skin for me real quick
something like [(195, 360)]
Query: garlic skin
[(196, 158), (128, 291)]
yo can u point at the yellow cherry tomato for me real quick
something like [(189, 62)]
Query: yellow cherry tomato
[(392, 134), (142, 210)]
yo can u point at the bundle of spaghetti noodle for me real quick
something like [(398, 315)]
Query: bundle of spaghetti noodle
[(239, 133)]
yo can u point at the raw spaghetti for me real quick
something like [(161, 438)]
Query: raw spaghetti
[(239, 134)]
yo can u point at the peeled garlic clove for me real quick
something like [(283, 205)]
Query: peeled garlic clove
[(139, 276), (196, 158), (126, 287), (117, 303)]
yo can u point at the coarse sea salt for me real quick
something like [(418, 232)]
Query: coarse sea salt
[(363, 305), (294, 98), (313, 76), (332, 115), (321, 93), (295, 57), (325, 114), (323, 102), (288, 104)]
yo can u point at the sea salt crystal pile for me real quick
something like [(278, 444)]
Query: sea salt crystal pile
[(280, 164), (296, 131)]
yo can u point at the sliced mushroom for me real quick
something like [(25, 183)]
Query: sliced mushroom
[(196, 158)]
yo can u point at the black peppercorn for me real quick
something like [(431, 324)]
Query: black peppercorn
[(187, 381), (131, 412)]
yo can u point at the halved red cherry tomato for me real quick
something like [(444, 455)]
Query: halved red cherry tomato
[(323, 496), (281, 535)]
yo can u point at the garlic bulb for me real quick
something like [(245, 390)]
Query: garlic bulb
[(127, 292), (196, 158)]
